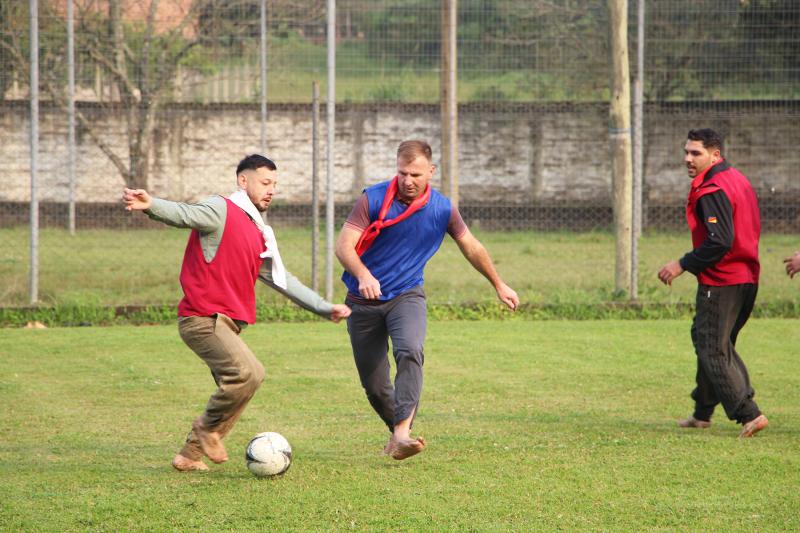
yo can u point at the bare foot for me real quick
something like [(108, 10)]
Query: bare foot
[(754, 426), (182, 463), (210, 442), (403, 449)]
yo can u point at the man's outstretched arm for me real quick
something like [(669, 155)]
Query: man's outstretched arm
[(479, 258), (207, 216), (304, 296)]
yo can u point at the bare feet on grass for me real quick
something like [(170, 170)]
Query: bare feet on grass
[(182, 463), (404, 448), (210, 442)]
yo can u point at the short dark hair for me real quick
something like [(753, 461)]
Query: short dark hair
[(711, 139), (254, 162)]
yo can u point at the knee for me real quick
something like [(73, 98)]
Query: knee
[(377, 390), (709, 343), (251, 376), (374, 395), (713, 350), (409, 356), (258, 373)]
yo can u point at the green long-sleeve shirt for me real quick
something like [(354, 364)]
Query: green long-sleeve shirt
[(208, 218)]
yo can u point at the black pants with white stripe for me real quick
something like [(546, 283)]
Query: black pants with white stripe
[(722, 377)]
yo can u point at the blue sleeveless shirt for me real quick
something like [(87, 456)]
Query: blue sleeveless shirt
[(398, 256)]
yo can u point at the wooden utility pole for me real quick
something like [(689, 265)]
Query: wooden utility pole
[(449, 100), (620, 139)]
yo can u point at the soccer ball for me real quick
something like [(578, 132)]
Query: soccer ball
[(268, 454)]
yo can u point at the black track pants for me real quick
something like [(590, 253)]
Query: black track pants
[(722, 377)]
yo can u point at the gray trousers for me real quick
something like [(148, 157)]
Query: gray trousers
[(402, 319), (235, 369), (721, 374)]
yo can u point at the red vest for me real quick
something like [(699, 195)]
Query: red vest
[(740, 264), (227, 284)]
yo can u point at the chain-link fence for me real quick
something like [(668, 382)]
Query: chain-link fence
[(171, 98)]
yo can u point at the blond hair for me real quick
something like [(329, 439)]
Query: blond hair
[(410, 150)]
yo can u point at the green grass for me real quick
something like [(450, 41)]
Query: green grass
[(532, 426), (114, 268), (294, 63)]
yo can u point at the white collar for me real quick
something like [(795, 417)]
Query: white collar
[(243, 201)]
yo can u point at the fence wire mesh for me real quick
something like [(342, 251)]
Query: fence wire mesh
[(169, 99)]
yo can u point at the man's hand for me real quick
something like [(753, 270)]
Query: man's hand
[(339, 312), (136, 199), (792, 264), (507, 296), (368, 286), (669, 272)]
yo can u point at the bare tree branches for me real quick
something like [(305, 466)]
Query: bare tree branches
[(139, 56)]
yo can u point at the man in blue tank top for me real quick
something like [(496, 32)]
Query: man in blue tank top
[(394, 229)]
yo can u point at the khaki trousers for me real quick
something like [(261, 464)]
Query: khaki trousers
[(235, 369)]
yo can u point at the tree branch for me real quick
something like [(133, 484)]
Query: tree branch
[(61, 101)]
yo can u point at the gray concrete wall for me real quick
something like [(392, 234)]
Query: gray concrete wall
[(520, 154)]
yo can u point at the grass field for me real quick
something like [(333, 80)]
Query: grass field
[(295, 63), (532, 426), (105, 267)]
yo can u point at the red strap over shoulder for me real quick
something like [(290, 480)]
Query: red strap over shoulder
[(372, 231)]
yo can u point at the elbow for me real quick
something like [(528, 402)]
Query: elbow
[(337, 251), (720, 252), (340, 251)]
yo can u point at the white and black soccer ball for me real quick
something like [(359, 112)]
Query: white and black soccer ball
[(268, 454)]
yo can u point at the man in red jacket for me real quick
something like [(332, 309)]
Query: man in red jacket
[(725, 222)]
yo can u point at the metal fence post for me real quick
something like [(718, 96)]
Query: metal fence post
[(34, 148), (71, 112), (314, 185), (263, 76), (331, 119), (638, 151)]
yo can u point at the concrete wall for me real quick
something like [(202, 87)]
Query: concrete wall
[(520, 154)]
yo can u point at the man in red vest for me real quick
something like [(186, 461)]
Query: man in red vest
[(229, 248), (725, 222)]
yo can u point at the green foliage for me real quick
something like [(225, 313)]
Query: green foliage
[(558, 49), (540, 266), (389, 92), (99, 315), (403, 32), (552, 426), (490, 93)]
